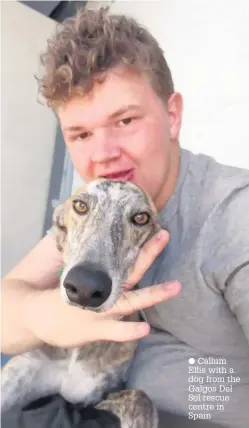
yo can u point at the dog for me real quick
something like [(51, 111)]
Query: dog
[(99, 230)]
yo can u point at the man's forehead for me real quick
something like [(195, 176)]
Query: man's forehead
[(99, 105)]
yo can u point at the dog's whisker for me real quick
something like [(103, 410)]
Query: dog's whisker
[(84, 260), (136, 292), (124, 295), (116, 304)]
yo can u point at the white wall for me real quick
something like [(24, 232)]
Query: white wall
[(206, 44), (28, 132)]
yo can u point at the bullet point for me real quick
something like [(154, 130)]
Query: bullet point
[(191, 360)]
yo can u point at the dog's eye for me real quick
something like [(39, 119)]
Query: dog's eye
[(80, 207), (141, 219)]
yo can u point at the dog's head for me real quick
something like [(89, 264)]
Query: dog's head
[(100, 231)]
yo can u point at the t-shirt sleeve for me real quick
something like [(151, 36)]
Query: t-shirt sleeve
[(228, 252), (237, 295)]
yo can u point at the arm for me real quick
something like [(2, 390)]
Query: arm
[(33, 311), (36, 272), (229, 248)]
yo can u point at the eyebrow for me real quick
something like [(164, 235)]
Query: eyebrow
[(123, 110), (114, 115)]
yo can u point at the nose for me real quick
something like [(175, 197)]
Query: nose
[(87, 286), (105, 148)]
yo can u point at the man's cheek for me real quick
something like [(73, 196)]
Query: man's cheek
[(82, 164)]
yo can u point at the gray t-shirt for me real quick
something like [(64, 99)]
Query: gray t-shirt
[(208, 252)]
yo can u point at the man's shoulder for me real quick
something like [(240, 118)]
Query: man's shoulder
[(215, 183), (217, 174), (222, 211), (215, 202)]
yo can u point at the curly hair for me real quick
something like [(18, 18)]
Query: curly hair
[(92, 42)]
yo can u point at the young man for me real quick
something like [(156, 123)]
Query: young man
[(109, 84)]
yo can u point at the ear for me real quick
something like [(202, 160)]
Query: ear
[(59, 225), (175, 107)]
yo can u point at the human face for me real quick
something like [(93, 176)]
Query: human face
[(122, 130)]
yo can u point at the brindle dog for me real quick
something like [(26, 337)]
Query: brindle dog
[(99, 230)]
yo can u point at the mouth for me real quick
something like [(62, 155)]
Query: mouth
[(120, 175)]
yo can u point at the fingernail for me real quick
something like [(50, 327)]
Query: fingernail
[(143, 327), (160, 235), (171, 286)]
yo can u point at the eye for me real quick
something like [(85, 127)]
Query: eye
[(83, 136), (126, 121), (141, 219), (80, 207)]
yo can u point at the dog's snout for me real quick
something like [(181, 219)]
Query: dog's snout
[(87, 286)]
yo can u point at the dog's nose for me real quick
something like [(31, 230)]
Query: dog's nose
[(87, 286)]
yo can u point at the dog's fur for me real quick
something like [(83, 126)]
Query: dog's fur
[(106, 239)]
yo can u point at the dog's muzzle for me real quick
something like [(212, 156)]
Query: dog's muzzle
[(87, 286)]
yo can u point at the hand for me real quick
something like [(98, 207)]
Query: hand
[(59, 324)]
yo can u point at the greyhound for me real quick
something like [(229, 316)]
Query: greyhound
[(99, 230)]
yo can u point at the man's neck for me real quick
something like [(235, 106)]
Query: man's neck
[(171, 178)]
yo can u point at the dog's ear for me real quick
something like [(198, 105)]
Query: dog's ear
[(59, 225)]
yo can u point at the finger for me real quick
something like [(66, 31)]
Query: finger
[(147, 255), (134, 301), (123, 331)]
